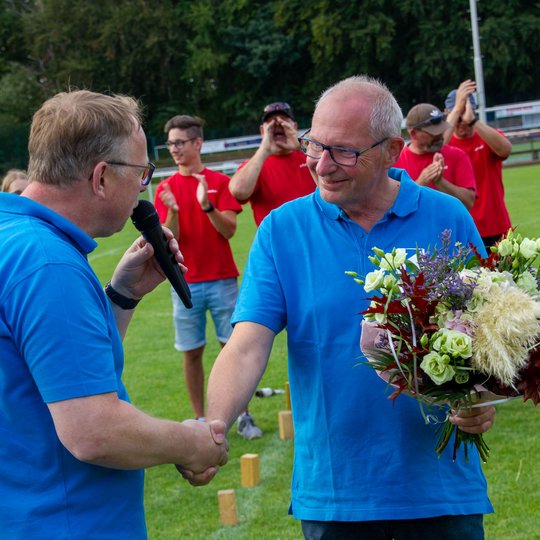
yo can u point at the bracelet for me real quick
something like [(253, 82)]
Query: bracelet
[(119, 299), (471, 124), (211, 208)]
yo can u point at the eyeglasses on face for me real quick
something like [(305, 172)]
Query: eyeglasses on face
[(347, 157), (433, 121), (146, 173), (179, 143)]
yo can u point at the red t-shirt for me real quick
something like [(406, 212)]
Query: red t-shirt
[(207, 254), (457, 166), (282, 179), (489, 211)]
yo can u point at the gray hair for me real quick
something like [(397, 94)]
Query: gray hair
[(386, 115)]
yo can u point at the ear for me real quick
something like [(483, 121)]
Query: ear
[(393, 149), (198, 143), (98, 179)]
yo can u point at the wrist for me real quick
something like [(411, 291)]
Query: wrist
[(119, 299), (209, 208)]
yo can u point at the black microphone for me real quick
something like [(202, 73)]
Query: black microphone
[(146, 219)]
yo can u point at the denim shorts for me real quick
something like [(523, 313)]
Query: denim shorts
[(437, 528), (218, 297)]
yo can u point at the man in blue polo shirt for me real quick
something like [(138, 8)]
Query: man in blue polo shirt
[(364, 467), (73, 447)]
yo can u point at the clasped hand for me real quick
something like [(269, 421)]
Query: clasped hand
[(210, 451)]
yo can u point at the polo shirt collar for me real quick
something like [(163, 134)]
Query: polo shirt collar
[(21, 205), (405, 204)]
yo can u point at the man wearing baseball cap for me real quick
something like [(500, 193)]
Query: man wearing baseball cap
[(487, 148), (431, 163), (277, 172)]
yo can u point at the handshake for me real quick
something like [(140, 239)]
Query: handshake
[(209, 450)]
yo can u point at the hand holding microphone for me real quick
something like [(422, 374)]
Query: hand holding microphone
[(146, 220)]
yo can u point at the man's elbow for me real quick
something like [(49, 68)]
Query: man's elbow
[(89, 448)]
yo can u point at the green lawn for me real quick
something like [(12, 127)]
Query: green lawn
[(154, 378)]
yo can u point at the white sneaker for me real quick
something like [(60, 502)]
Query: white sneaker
[(247, 427)]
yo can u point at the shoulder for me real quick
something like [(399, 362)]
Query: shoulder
[(215, 176)]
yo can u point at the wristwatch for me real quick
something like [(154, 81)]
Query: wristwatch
[(211, 208), (119, 299), (471, 124)]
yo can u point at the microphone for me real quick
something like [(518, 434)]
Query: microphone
[(146, 220)]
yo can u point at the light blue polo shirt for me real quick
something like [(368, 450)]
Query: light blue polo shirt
[(358, 455), (58, 340)]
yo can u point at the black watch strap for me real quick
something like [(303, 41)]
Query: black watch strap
[(119, 299), (471, 124), (211, 208)]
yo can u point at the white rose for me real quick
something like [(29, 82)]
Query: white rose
[(374, 280)]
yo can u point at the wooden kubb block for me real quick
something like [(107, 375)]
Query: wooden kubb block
[(286, 429), (250, 474), (227, 507)]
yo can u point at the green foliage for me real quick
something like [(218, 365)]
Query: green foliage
[(224, 60)]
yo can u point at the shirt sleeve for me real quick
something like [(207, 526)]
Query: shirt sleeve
[(67, 334)]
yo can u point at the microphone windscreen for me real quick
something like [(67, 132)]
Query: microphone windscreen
[(145, 216)]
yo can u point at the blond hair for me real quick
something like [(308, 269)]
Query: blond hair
[(73, 131), (11, 176)]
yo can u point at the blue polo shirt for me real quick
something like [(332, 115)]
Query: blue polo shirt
[(58, 340), (358, 455)]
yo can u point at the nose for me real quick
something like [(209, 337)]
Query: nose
[(325, 165)]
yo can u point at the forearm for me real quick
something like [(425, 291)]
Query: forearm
[(171, 222), (497, 142), (224, 222), (244, 180), (465, 195), (237, 371), (106, 431)]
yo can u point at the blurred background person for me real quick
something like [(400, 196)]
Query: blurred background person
[(277, 172), (196, 204), (431, 163), (487, 148), (15, 181)]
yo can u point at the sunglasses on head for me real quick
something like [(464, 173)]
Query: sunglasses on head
[(433, 121)]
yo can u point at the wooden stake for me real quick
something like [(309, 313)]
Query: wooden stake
[(227, 507), (250, 470), (286, 429), (287, 397)]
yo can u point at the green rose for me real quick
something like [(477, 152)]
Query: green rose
[(437, 367), (452, 342), (528, 248)]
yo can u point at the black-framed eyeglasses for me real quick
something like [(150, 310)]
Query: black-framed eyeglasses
[(347, 157), (179, 143), (433, 121), (147, 170)]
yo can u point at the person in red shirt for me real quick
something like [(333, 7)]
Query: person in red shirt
[(429, 163), (487, 148), (196, 204), (277, 172)]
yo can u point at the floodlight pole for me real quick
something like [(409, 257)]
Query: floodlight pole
[(478, 70)]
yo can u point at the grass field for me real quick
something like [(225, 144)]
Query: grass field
[(153, 376)]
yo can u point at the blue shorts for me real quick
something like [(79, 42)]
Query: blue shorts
[(219, 297)]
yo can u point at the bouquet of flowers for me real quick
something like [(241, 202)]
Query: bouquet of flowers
[(453, 329)]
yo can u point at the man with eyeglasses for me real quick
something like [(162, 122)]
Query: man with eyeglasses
[(487, 148), (431, 163), (196, 204), (73, 446), (364, 466), (277, 172)]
